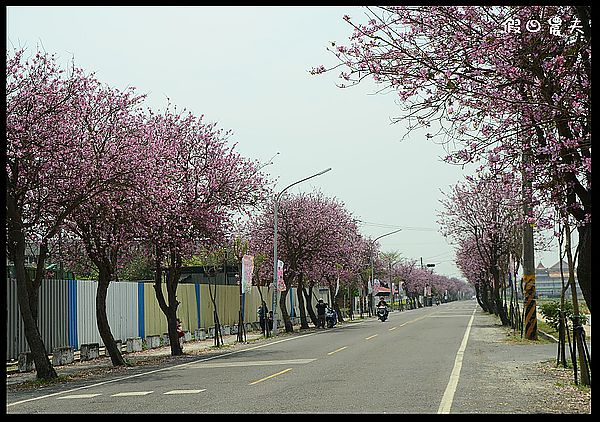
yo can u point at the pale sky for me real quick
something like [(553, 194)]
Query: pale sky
[(247, 68)]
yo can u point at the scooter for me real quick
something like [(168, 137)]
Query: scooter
[(382, 313), (330, 317)]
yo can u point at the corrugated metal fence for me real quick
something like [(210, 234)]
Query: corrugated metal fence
[(67, 311)]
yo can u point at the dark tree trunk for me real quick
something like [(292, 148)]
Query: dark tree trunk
[(43, 366), (289, 328), (27, 293), (170, 308), (484, 293), (479, 295), (498, 303), (334, 303), (113, 351), (584, 263), (309, 308), (300, 295)]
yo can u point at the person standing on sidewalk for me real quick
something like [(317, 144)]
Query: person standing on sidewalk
[(180, 333), (262, 316), (321, 308)]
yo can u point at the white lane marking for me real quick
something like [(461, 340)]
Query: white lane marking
[(251, 363), (132, 393), (449, 316), (392, 329), (370, 337), (185, 391), (448, 396), (79, 396)]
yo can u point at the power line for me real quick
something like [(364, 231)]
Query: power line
[(389, 226)]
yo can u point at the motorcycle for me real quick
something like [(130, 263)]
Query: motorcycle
[(330, 317), (382, 313)]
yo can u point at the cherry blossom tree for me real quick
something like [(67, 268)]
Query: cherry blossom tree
[(489, 88), (314, 234), (337, 266), (485, 209), (105, 223), (414, 279), (52, 167), (199, 188)]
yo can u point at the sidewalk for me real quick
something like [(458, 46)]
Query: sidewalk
[(103, 363)]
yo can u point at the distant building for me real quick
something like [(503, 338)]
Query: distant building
[(548, 281)]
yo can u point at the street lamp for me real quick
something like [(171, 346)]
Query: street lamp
[(274, 297), (427, 294), (372, 250)]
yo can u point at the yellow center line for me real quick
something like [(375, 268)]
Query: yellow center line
[(335, 351), (413, 320), (370, 337), (270, 376)]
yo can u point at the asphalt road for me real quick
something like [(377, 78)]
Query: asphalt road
[(440, 359)]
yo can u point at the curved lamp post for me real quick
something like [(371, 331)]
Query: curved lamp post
[(372, 250), (274, 299)]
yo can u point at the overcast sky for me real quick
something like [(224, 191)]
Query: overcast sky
[(247, 68)]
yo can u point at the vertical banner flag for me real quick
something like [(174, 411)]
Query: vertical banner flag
[(247, 270), (280, 283)]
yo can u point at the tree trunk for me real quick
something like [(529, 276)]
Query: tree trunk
[(26, 292), (168, 309), (289, 328), (309, 308), (102, 319), (334, 303), (43, 366), (300, 296), (584, 263), (499, 305), (577, 328)]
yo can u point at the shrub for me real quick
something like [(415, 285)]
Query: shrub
[(551, 313)]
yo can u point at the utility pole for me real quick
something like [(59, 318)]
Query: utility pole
[(529, 304)]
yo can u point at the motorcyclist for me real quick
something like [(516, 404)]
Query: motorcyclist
[(383, 303)]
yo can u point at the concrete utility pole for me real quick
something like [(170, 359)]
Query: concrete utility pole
[(529, 304)]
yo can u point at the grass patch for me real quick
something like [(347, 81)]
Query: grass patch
[(39, 383)]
